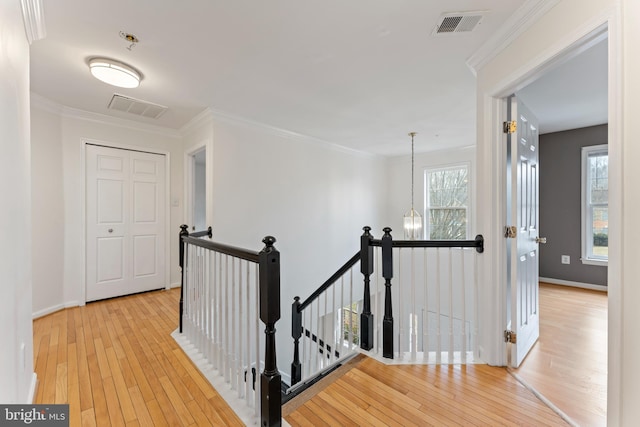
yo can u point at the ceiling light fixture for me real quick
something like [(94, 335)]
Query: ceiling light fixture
[(114, 73)]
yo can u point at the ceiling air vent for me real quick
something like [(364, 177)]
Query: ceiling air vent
[(458, 22), (136, 106)]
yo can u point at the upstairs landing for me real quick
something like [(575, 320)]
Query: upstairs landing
[(367, 392)]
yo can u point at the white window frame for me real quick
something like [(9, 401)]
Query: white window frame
[(427, 205), (587, 220)]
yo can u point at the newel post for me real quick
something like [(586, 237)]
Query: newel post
[(366, 268), (270, 381), (183, 233), (387, 273), (296, 333)]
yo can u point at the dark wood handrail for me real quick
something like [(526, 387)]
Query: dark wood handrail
[(208, 232), (477, 243), (354, 259), (222, 248)]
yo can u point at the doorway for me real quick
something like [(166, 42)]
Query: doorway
[(581, 81), (199, 190)]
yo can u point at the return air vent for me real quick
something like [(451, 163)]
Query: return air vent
[(458, 22), (136, 106)]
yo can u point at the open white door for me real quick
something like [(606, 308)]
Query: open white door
[(522, 232)]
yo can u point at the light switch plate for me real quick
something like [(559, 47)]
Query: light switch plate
[(566, 259)]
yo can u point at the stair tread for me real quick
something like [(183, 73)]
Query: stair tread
[(316, 388)]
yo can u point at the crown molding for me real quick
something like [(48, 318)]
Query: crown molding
[(286, 134), (511, 29), (33, 17), (38, 101), (203, 118), (42, 103)]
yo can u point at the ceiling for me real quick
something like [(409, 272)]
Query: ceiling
[(574, 93), (360, 74)]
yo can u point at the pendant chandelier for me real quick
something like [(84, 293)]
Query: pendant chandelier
[(412, 219)]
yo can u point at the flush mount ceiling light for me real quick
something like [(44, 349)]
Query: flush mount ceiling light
[(114, 73)]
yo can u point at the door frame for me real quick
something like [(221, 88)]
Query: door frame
[(492, 156), (83, 197)]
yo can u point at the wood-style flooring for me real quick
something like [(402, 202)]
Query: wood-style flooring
[(568, 364), (116, 364), (375, 394)]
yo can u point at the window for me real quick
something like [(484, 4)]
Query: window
[(350, 323), (595, 205), (447, 202)]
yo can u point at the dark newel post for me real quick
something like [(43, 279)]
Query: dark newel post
[(366, 267), (387, 273), (296, 333), (270, 382), (183, 233)]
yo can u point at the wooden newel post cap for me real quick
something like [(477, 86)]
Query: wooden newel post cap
[(366, 229), (268, 241), (387, 231), (184, 227)]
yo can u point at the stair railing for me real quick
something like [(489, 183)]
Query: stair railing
[(434, 298), (327, 323), (226, 293)]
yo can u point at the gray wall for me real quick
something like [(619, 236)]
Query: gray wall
[(560, 210)]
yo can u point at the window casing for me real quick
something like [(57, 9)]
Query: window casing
[(447, 195), (595, 205)]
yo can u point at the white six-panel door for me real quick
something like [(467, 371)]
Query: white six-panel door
[(523, 214), (125, 211)]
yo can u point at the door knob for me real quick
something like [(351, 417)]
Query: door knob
[(542, 240), (110, 230)]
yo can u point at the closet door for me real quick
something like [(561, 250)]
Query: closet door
[(125, 222)]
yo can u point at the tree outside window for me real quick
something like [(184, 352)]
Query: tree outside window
[(447, 202)]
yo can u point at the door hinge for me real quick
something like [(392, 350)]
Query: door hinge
[(510, 127), (510, 336), (510, 232)]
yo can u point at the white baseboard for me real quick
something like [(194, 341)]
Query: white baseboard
[(48, 310), (32, 389), (53, 309), (573, 284), (175, 285)]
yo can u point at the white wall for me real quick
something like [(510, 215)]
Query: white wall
[(399, 184), (565, 24), (59, 131), (47, 220), (312, 197), (16, 358)]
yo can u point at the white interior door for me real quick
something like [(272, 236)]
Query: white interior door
[(522, 246), (125, 209)]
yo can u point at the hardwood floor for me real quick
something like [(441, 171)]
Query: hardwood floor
[(374, 394), (116, 364), (568, 364)]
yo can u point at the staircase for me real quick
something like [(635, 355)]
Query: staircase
[(394, 300)]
